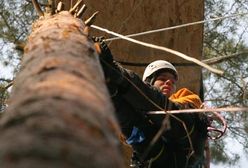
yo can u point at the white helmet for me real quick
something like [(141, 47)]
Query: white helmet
[(156, 66)]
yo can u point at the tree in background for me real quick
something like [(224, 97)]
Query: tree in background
[(223, 39), (16, 18), (3, 96)]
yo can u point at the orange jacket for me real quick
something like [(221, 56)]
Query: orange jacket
[(186, 98)]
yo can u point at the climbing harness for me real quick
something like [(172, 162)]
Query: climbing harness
[(214, 132)]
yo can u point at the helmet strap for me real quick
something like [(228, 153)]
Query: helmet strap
[(151, 79)]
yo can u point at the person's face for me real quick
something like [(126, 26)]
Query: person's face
[(166, 82)]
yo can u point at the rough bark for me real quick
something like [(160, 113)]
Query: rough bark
[(59, 113)]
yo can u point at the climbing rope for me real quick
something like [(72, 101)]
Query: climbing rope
[(179, 26), (177, 53)]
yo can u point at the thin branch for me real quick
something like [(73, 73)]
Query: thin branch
[(8, 26), (41, 4), (19, 45), (37, 7), (216, 60), (5, 80), (233, 81), (244, 90), (9, 85)]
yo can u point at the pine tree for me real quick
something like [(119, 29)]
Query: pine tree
[(59, 112)]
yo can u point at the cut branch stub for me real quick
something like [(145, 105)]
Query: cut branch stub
[(59, 7), (74, 8), (91, 20), (81, 11), (77, 10)]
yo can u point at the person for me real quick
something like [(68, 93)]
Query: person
[(171, 141)]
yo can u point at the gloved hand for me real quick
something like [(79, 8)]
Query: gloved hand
[(102, 49), (112, 70)]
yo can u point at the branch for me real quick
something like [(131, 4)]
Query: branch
[(41, 4), (4, 88), (8, 26), (37, 7), (216, 60), (5, 80), (9, 81), (19, 45)]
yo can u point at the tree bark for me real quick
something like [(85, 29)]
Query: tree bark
[(59, 113)]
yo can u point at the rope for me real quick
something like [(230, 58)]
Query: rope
[(129, 17), (179, 54), (136, 64), (215, 111), (227, 109), (178, 26)]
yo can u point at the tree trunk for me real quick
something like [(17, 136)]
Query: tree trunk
[(59, 114)]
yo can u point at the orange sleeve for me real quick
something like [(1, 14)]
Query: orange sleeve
[(185, 96)]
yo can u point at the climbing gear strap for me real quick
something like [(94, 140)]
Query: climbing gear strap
[(214, 132), (156, 157)]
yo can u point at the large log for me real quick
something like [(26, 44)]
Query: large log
[(59, 113)]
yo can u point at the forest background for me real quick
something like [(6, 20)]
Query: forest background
[(225, 42)]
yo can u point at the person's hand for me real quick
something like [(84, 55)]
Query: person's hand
[(103, 49), (112, 70)]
